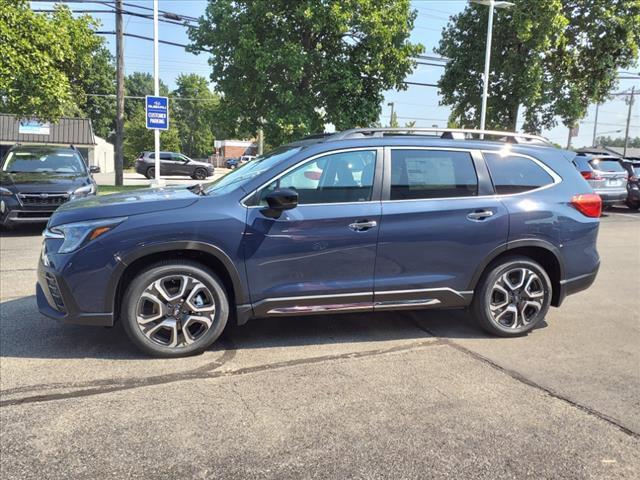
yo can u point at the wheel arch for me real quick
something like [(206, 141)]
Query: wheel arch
[(209, 255), (543, 252)]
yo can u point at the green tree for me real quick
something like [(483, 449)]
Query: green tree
[(295, 66), (195, 108), (553, 58), (98, 85), (634, 142), (45, 60)]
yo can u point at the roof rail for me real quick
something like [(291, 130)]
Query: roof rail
[(451, 133)]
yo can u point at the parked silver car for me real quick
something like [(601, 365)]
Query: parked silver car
[(606, 175)]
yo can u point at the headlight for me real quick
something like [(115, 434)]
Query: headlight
[(84, 191), (5, 191), (78, 234)]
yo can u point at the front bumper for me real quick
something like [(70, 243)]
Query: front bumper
[(55, 301), (20, 216)]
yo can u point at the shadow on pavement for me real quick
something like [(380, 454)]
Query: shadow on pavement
[(25, 333), (28, 230)]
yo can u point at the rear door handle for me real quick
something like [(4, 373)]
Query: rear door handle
[(479, 215), (361, 226)]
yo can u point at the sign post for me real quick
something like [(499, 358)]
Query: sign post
[(157, 107), (157, 114)]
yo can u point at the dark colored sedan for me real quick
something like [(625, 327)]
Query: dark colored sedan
[(173, 164)]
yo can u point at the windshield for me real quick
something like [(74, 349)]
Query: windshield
[(250, 170), (43, 160)]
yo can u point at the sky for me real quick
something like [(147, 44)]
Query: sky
[(417, 103)]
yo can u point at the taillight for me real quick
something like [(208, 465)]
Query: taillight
[(589, 204), (591, 176)]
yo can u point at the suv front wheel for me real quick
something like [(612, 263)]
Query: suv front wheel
[(175, 308), (513, 297)]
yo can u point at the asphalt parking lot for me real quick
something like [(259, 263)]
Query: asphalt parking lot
[(403, 395)]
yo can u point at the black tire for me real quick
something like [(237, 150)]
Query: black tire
[(632, 205), (144, 279), (151, 173), (199, 174), (485, 295)]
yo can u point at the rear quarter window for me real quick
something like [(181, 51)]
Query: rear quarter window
[(515, 174)]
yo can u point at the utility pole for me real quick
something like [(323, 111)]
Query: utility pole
[(260, 141), (595, 126), (626, 134), (119, 151), (392, 105)]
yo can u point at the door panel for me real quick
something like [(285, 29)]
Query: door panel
[(429, 246), (432, 243), (322, 253), (311, 251)]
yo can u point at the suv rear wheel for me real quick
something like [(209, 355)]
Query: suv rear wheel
[(175, 308), (513, 296), (151, 173)]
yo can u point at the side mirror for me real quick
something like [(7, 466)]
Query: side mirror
[(94, 169), (279, 201)]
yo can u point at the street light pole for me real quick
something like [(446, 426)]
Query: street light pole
[(487, 63), (156, 90), (392, 105), (487, 55)]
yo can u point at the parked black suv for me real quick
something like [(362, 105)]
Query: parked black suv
[(35, 180), (172, 163), (633, 183)]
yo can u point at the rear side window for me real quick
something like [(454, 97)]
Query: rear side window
[(515, 174), (417, 174), (606, 165)]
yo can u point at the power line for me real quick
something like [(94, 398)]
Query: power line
[(142, 37), (137, 97)]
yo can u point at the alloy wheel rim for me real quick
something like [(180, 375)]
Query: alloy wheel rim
[(516, 298), (175, 311)]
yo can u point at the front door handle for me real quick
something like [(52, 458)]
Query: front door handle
[(480, 215), (363, 225)]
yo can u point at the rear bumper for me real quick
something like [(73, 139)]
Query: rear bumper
[(610, 197), (576, 284), (55, 301)]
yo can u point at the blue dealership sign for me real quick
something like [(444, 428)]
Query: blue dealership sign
[(157, 109)]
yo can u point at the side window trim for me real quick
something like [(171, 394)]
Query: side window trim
[(250, 200), (485, 187)]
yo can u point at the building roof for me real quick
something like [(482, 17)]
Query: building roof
[(631, 151), (67, 131)]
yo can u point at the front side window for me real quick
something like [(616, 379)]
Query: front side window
[(417, 174), (514, 174), (335, 178), (41, 160)]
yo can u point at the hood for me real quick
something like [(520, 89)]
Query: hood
[(51, 182), (124, 204)]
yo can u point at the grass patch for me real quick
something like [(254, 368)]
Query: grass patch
[(107, 189)]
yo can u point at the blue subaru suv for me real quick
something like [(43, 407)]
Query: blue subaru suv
[(360, 221)]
